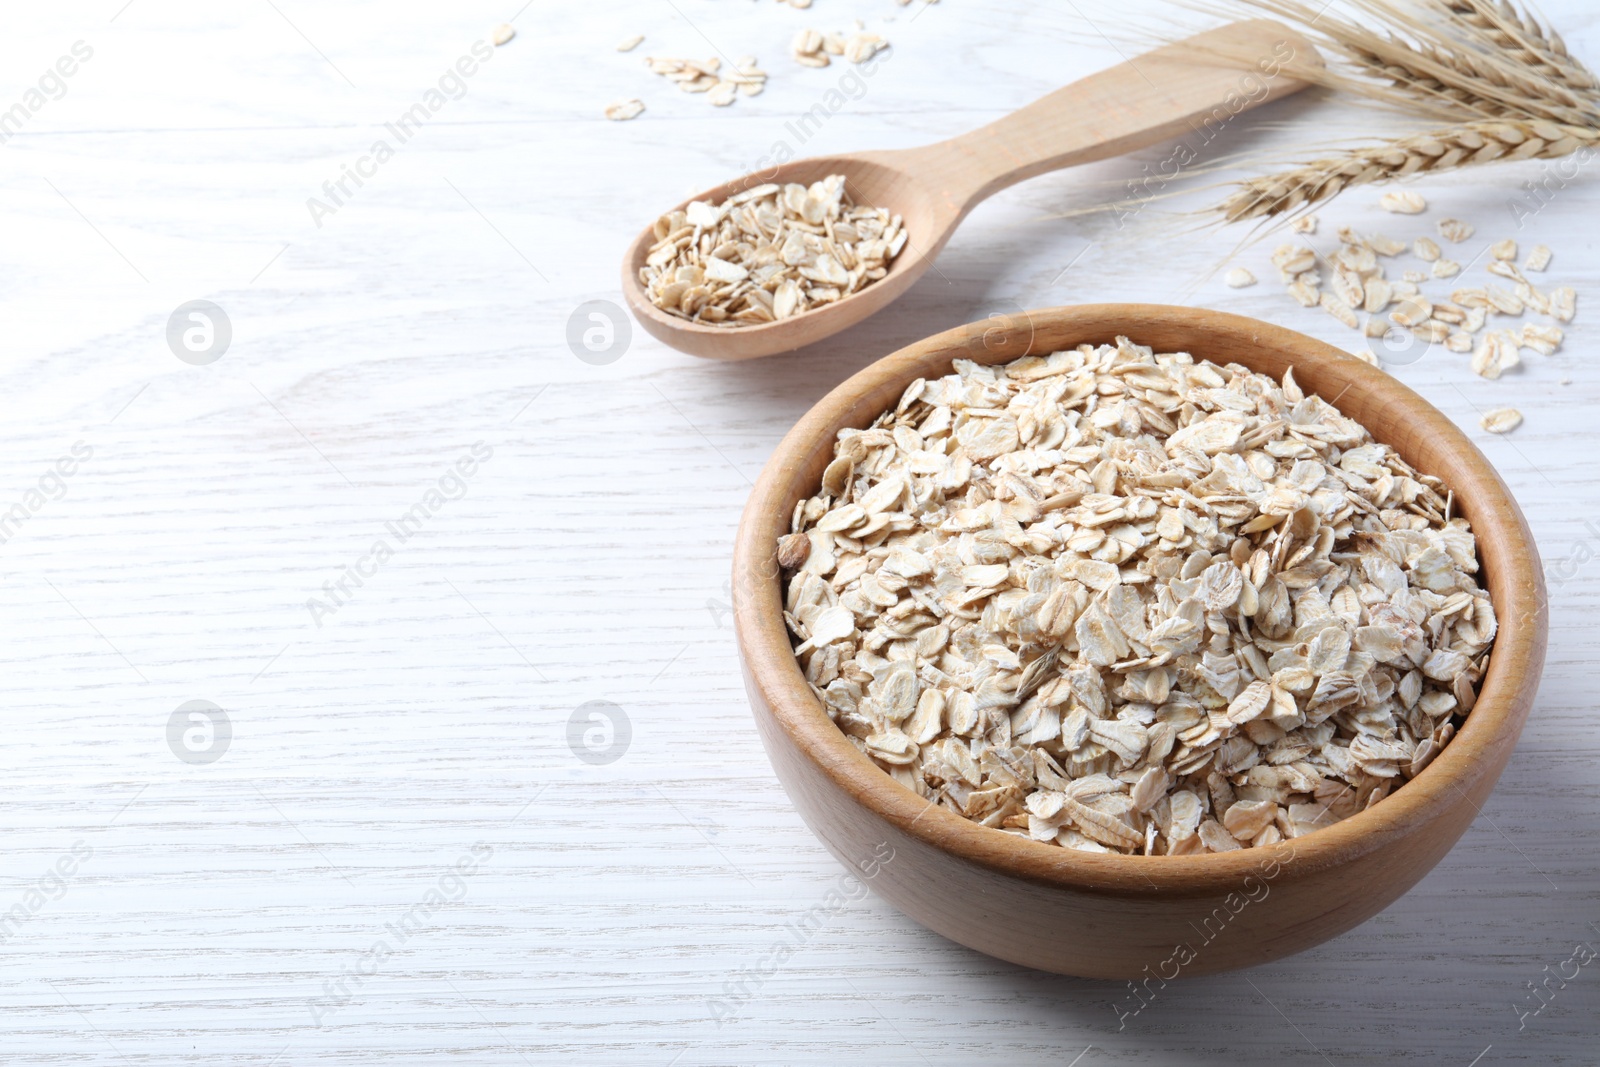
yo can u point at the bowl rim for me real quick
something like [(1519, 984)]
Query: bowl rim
[(1510, 568)]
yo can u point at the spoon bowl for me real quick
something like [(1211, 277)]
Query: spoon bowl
[(881, 179)]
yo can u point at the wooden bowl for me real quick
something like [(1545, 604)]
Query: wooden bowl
[(1115, 916)]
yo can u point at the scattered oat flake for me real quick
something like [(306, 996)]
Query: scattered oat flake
[(1340, 310), (1411, 311), (1501, 420), (1538, 258), (812, 48), (1348, 286), (1455, 231), (1496, 353), (1541, 339), (1505, 303), (706, 76), (1532, 298), (1238, 278), (1432, 331), (861, 47), (623, 110), (1446, 268), (1291, 260), (1205, 624), (1376, 293), (630, 43), (503, 33), (808, 49), (1304, 224), (1304, 292), (1403, 202), (1386, 246), (1563, 303), (1504, 250)]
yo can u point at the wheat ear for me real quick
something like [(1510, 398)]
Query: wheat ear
[(1524, 41), (1458, 60), (1444, 149)]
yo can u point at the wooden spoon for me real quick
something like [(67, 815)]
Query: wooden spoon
[(1195, 87)]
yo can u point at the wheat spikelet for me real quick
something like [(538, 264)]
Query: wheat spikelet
[(1473, 85), (1407, 78), (1444, 149), (1510, 89), (1524, 41)]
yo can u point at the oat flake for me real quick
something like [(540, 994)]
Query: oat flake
[(1503, 420)]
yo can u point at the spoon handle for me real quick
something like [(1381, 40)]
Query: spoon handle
[(1193, 88)]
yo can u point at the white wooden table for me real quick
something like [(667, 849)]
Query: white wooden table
[(159, 911)]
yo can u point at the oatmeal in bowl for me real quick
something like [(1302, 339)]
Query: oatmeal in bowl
[(1116, 599)]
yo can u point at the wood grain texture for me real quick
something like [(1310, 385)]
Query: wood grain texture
[(1178, 88), (1127, 917), (589, 559)]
